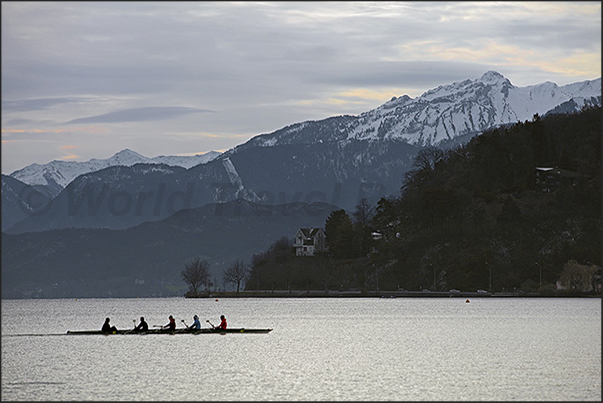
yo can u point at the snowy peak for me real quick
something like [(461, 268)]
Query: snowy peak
[(494, 78), (58, 174), (184, 161), (447, 113), (126, 157)]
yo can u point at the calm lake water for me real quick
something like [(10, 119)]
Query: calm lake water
[(320, 349)]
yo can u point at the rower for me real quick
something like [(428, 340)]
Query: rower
[(196, 324), (107, 328), (171, 325), (142, 326), (222, 324)]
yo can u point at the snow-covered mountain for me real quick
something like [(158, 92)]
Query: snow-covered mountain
[(446, 113), (339, 160), (54, 176), (441, 114)]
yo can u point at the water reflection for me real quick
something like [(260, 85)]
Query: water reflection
[(320, 349)]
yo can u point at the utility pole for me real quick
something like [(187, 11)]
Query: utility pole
[(490, 275), (540, 271)]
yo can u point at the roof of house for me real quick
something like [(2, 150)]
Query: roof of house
[(561, 172), (309, 232)]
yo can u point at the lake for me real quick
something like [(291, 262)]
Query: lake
[(320, 349)]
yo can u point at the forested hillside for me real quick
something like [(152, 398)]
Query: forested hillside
[(508, 210)]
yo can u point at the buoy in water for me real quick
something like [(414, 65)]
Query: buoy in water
[(216, 299), (467, 301)]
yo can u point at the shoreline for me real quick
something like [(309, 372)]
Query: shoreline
[(384, 294)]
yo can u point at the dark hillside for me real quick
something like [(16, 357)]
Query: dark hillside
[(146, 260), (508, 211), (487, 209)]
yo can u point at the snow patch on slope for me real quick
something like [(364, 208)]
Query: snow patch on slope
[(237, 182)]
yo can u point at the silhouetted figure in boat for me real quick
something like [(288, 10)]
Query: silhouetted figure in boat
[(142, 326), (107, 328), (171, 325)]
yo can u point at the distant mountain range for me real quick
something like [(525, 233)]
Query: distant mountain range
[(443, 114), (128, 224), (338, 160), (146, 260), (51, 178)]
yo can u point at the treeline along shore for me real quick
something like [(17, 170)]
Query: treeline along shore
[(516, 208), (388, 294)]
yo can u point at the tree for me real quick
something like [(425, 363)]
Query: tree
[(387, 216), (196, 274), (424, 164), (363, 216), (271, 267), (428, 157), (364, 213), (339, 231), (576, 276), (236, 273)]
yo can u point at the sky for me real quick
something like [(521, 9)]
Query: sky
[(84, 80)]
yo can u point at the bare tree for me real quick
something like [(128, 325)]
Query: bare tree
[(196, 274), (236, 273), (428, 157), (364, 213)]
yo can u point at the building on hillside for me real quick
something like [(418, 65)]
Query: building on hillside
[(376, 235), (308, 241), (549, 178)]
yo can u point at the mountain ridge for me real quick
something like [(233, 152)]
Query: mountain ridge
[(442, 113), (340, 159), (54, 176), (146, 260), (429, 119)]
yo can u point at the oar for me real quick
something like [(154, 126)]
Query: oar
[(184, 323), (134, 323), (210, 323)]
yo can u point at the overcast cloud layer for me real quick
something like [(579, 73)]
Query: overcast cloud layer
[(84, 80)]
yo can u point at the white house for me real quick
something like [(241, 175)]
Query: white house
[(308, 241)]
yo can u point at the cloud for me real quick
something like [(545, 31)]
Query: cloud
[(18, 122), (207, 135), (140, 114), (259, 66), (70, 156), (39, 104), (34, 136)]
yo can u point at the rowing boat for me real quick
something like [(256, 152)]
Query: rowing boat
[(167, 331)]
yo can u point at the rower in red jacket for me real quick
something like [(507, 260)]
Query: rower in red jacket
[(222, 324), (171, 325)]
